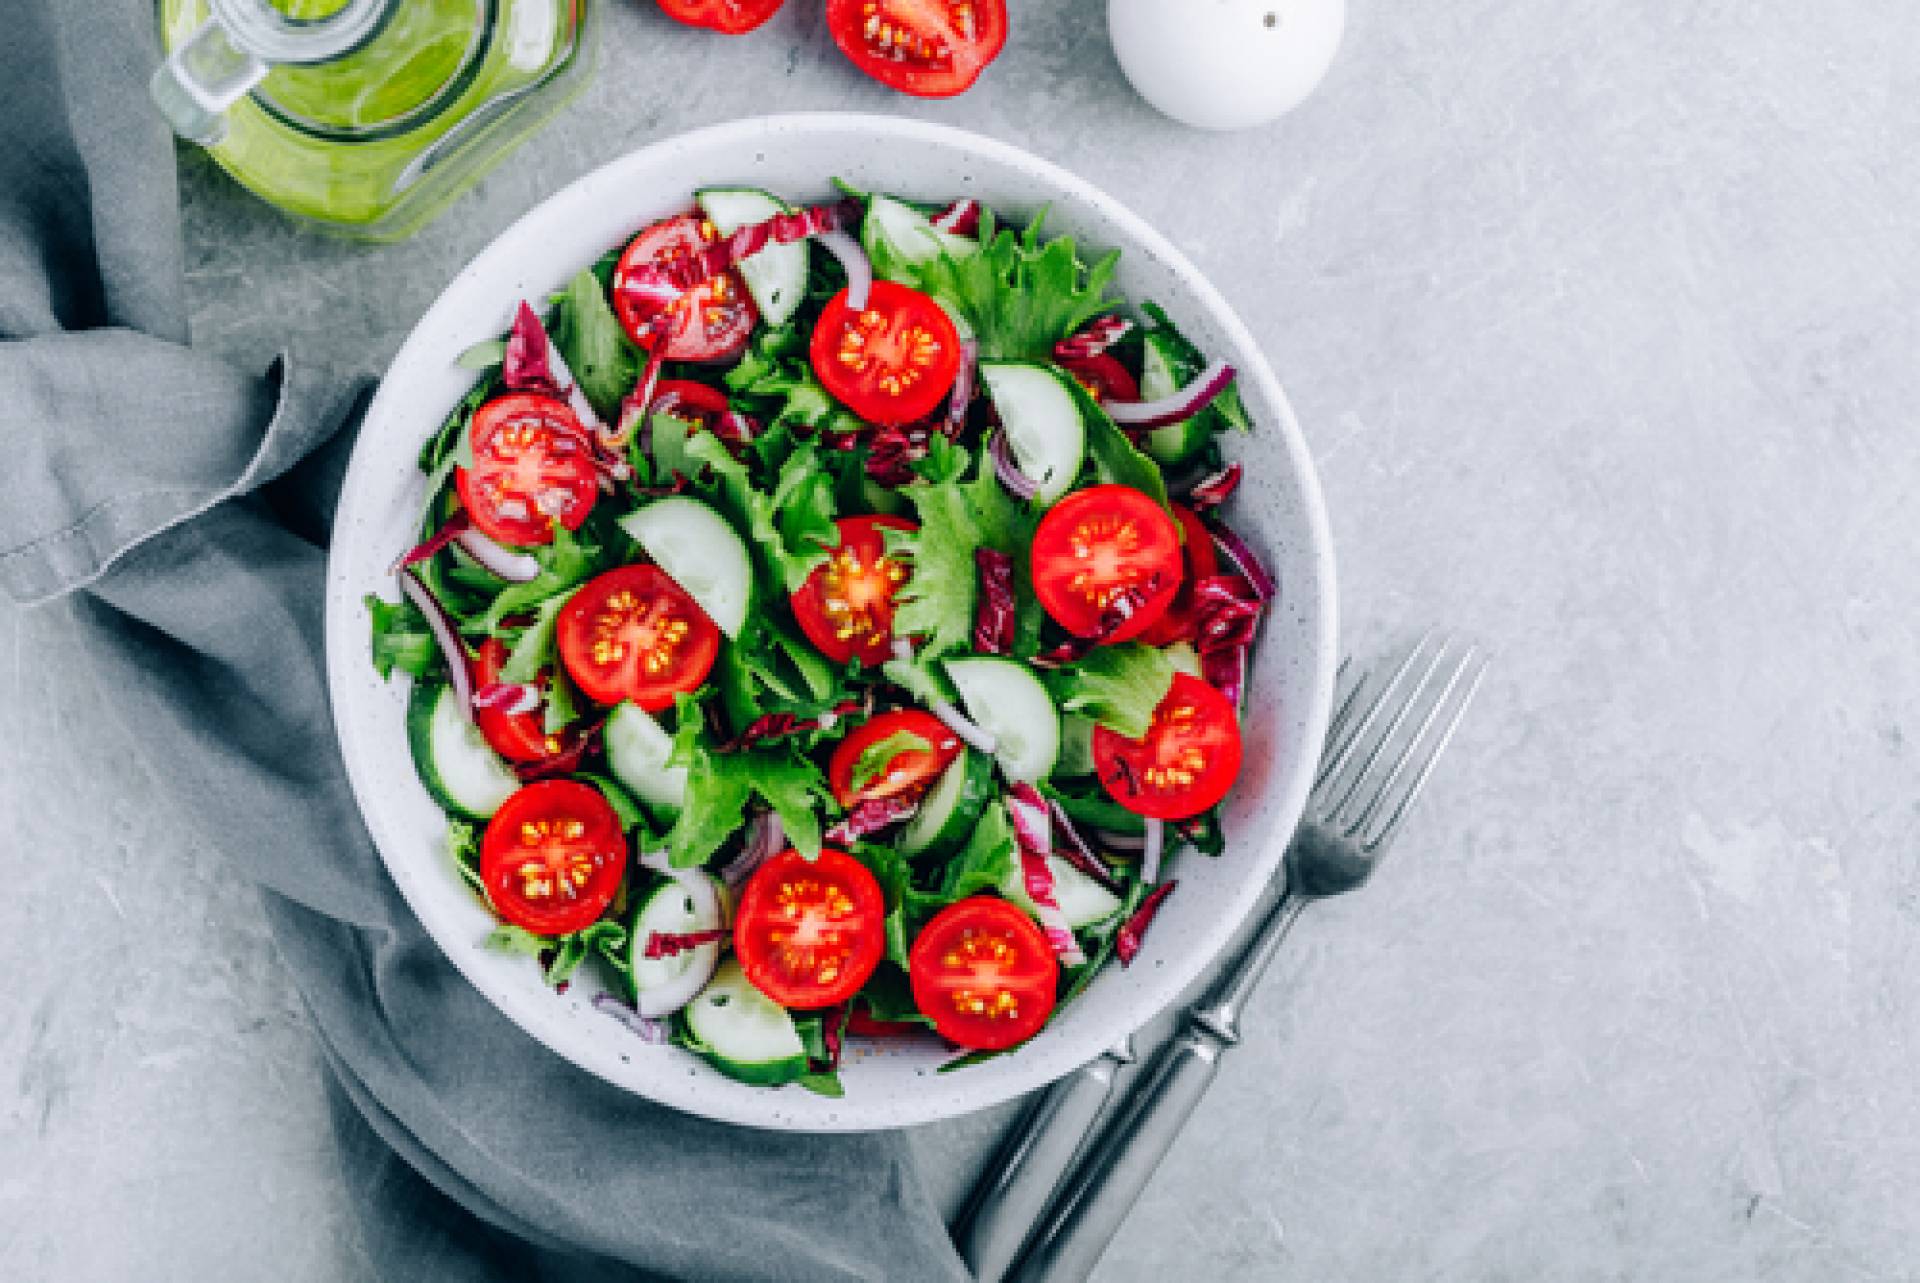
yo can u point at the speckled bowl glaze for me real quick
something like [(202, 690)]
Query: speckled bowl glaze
[(1279, 509)]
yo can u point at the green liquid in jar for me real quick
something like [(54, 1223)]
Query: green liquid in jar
[(378, 141)]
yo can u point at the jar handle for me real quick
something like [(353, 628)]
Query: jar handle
[(205, 76)]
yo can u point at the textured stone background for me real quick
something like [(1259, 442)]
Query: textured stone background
[(1601, 318)]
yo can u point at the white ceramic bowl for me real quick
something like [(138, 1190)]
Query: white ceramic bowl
[(1279, 508)]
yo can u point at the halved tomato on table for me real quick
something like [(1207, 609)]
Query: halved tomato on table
[(810, 932), (845, 607), (1201, 559), (634, 634), (1101, 547), (982, 972), (531, 467), (552, 857), (1186, 762), (928, 48), (729, 17), (892, 361), (908, 770), (710, 321), (518, 737)]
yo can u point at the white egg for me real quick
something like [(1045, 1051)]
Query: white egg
[(1225, 64)]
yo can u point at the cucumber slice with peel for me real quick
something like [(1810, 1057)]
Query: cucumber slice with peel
[(899, 239), (1081, 899), (700, 550), (776, 276), (951, 808), (742, 1032), (683, 904), (637, 752), (1041, 417), (459, 768), (1008, 701)]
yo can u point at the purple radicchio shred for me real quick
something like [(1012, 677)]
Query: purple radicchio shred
[(893, 450), (1124, 605), (1093, 338), (1077, 853), (456, 525), (671, 944), (1241, 553), (962, 218), (1133, 932), (565, 762), (832, 1025), (962, 394), (1226, 611), (1215, 489), (870, 817), (773, 726), (993, 619), (525, 367)]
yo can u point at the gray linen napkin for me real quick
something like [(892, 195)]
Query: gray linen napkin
[(176, 507)]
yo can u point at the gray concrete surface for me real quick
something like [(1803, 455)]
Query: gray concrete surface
[(1601, 318)]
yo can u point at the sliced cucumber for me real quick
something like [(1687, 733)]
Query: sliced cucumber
[(900, 239), (1009, 702), (455, 763), (1082, 900), (1164, 370), (682, 904), (637, 752), (777, 275), (1042, 421), (1185, 658), (702, 552), (746, 1034), (951, 808), (1076, 746)]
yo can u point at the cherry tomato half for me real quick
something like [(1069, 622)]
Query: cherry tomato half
[(1188, 760), (1200, 559), (518, 737), (1095, 545), (846, 605), (982, 972), (729, 17), (1104, 376), (905, 774), (634, 634), (710, 321), (552, 857), (928, 48), (810, 932), (891, 362), (530, 466)]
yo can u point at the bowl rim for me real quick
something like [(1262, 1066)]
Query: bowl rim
[(1043, 1060)]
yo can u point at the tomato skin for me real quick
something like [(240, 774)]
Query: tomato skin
[(987, 951), (1187, 762), (1104, 376), (518, 737), (1199, 559), (902, 334), (616, 622), (853, 591), (1097, 542), (728, 17), (524, 444), (562, 834), (709, 323), (964, 53), (908, 773), (839, 926)]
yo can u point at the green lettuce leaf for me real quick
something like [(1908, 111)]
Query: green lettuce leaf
[(1227, 410), (401, 638), (1114, 457), (1020, 294), (1007, 525), (596, 348), (565, 564), (1117, 686), (790, 527), (721, 785), (937, 600)]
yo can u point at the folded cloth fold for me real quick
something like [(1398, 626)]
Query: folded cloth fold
[(168, 501)]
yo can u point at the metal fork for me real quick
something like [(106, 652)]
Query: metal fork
[(1378, 757)]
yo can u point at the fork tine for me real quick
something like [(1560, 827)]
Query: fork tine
[(1412, 749), (1340, 714), (1431, 758), (1336, 757), (1400, 709)]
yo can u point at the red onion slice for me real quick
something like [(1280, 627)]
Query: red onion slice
[(1017, 483), (511, 698), (962, 218), (854, 260), (1243, 555), (1212, 491), (444, 636), (639, 399), (514, 567), (1150, 854), (1184, 404), (651, 1031), (1133, 932), (433, 543), (766, 838), (1077, 852)]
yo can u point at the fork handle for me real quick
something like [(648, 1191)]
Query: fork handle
[(1094, 1201), (1022, 1177)]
